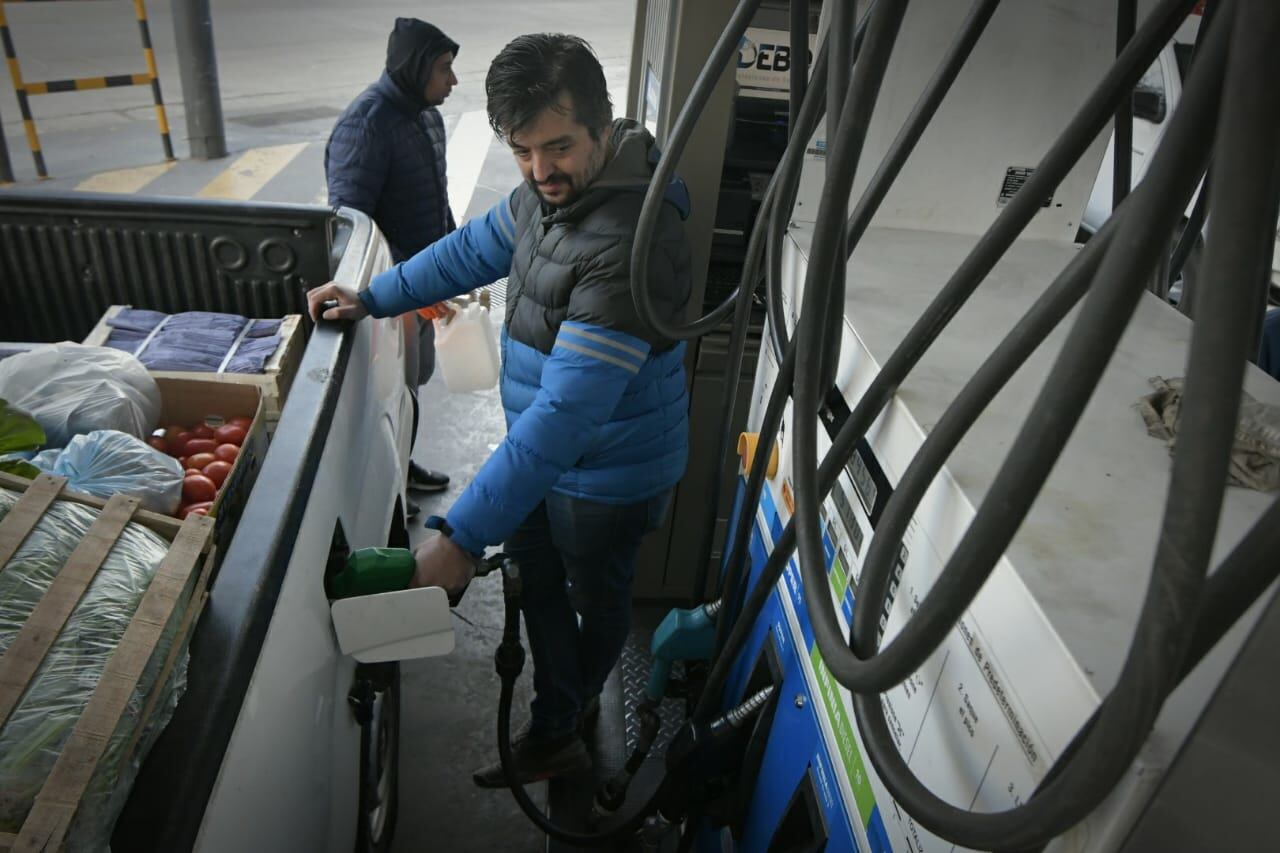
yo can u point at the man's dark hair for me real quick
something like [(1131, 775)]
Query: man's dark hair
[(534, 71)]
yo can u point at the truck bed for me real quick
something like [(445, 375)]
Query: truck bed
[(63, 261)]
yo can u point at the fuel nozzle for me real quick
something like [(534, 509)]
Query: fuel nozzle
[(368, 571)]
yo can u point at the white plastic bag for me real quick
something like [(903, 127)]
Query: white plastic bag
[(72, 389), (107, 462), (466, 350)]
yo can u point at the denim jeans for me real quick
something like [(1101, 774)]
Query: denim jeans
[(577, 559)]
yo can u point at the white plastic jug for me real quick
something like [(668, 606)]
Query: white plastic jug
[(467, 350)]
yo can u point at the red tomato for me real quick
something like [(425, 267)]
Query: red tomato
[(200, 445), (230, 434), (188, 471), (241, 420), (227, 452), (201, 508), (197, 488), (218, 471), (159, 443), (176, 440), (199, 460), (202, 431)]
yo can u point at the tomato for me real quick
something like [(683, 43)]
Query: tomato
[(159, 443), (202, 431), (197, 488), (188, 471), (227, 452), (200, 445), (201, 508), (230, 434), (176, 441), (218, 471), (199, 460), (241, 421)]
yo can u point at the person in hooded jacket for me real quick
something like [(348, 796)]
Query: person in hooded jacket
[(595, 399), (386, 158)]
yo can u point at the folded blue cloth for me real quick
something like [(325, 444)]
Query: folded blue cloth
[(195, 340)]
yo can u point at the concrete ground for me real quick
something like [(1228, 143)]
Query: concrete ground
[(287, 69)]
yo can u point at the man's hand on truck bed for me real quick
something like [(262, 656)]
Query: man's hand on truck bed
[(348, 307)]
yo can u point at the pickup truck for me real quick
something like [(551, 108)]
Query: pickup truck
[(1155, 98), (279, 742)]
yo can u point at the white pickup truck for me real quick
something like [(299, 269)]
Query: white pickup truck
[(1155, 98), (280, 742)]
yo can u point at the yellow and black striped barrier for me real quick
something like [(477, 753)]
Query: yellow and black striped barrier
[(23, 89)]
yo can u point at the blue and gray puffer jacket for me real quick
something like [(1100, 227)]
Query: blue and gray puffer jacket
[(595, 400), (386, 158)]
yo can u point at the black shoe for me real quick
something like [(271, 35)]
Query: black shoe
[(537, 759), (411, 510), (426, 480)]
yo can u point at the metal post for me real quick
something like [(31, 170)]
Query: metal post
[(193, 32), (6, 168), (1122, 151)]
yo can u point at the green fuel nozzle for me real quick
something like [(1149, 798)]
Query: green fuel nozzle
[(369, 571)]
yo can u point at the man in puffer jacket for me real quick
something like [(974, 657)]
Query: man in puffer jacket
[(385, 158), (596, 408)]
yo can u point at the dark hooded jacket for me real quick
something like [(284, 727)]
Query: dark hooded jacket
[(386, 154), (595, 399)]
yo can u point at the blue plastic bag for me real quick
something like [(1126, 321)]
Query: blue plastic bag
[(106, 462)]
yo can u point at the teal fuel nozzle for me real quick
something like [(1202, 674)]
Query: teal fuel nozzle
[(369, 571)]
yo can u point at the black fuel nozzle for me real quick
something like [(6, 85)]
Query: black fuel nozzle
[(508, 660), (612, 793)]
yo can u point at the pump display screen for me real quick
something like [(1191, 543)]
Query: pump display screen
[(863, 483)]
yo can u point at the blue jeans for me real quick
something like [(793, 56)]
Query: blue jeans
[(577, 559)]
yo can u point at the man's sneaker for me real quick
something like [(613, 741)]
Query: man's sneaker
[(426, 480), (411, 510), (537, 759)]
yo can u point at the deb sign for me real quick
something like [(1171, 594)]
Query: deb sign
[(764, 62)]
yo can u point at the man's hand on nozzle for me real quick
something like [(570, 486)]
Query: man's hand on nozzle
[(442, 562), (344, 303)]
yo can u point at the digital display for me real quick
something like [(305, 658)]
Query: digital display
[(863, 483), (847, 518)]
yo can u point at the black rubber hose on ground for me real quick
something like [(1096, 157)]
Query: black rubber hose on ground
[(509, 661)]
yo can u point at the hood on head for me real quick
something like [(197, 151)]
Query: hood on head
[(412, 49), (635, 156)]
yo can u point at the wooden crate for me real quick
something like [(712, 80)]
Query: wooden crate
[(274, 381), (184, 568)]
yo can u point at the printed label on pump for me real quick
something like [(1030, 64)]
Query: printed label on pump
[(958, 721)]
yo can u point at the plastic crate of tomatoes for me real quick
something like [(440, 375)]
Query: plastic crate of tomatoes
[(216, 430)]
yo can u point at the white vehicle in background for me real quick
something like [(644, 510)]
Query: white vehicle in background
[(1154, 100)]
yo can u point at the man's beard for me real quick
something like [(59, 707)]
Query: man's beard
[(560, 179)]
